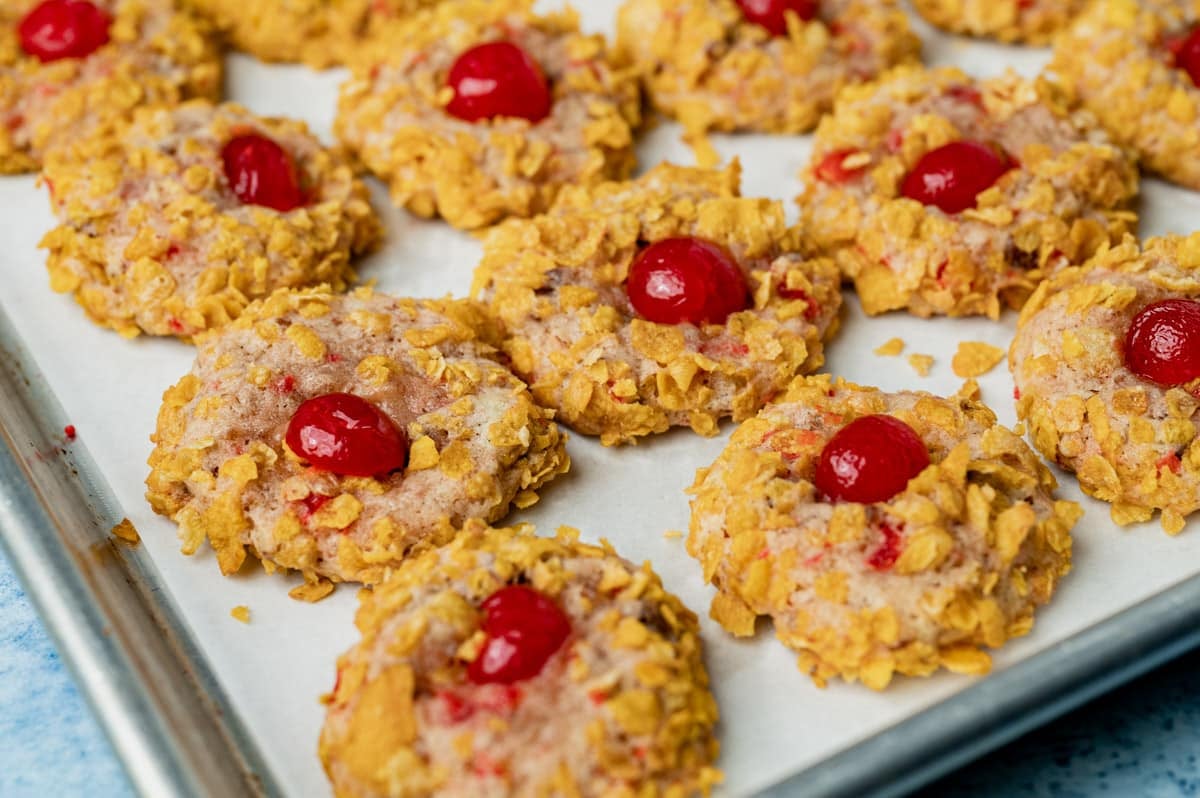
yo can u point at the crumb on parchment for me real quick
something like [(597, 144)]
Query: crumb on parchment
[(921, 363), (125, 530), (240, 613), (975, 358), (891, 347)]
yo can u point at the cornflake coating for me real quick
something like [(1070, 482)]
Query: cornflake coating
[(557, 283), (156, 54), (622, 708), (705, 65), (1130, 442), (1030, 21), (391, 112), (956, 562), (1116, 59), (1068, 193), (152, 238), (221, 470), (319, 33)]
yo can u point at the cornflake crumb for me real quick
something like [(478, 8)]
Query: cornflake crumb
[(975, 358), (312, 592), (240, 613), (126, 531), (891, 348), (672, 534), (970, 390), (921, 364)]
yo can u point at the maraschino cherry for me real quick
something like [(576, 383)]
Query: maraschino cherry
[(57, 29), (771, 14), (871, 459), (498, 79), (953, 175), (523, 629), (347, 435), (1162, 344), (260, 172), (686, 279), (1187, 55)]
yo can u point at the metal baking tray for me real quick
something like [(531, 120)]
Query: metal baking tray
[(199, 705)]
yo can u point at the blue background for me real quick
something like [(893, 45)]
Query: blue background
[(1142, 740)]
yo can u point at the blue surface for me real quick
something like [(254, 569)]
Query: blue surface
[(1142, 740)]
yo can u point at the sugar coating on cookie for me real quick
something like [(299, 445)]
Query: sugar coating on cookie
[(319, 33), (222, 471), (956, 561), (621, 708), (1116, 59), (706, 65), (1130, 442), (392, 113), (1029, 21), (558, 284), (1066, 192), (154, 239), (155, 54)]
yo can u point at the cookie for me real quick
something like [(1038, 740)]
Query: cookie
[(337, 434), (567, 286), (943, 539), (67, 66), (508, 664), (1027, 21), (172, 223), (1095, 400), (943, 195), (538, 105), (318, 33), (1132, 64), (714, 66)]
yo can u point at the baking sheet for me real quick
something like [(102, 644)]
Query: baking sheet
[(775, 723)]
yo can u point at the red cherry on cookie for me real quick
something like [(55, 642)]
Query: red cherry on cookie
[(953, 175), (1187, 55), (771, 15), (1162, 344), (498, 79), (57, 29), (523, 629), (347, 435), (871, 459), (686, 279), (260, 172)]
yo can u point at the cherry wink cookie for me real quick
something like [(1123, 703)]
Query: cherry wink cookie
[(944, 195), (476, 110), (508, 664), (664, 301), (335, 434), (66, 65), (319, 33), (1031, 21), (1106, 362), (882, 533), (1136, 65), (172, 223), (759, 65)]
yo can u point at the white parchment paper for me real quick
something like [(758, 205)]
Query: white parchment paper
[(774, 721)]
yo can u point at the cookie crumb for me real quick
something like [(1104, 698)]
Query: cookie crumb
[(312, 592), (672, 534), (891, 348), (975, 358), (126, 531), (240, 613), (921, 364)]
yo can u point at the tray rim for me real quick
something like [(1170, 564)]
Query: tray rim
[(163, 756)]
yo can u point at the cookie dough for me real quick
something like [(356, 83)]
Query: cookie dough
[(1028, 21), (621, 708), (155, 54), (1117, 61), (472, 174), (557, 283), (955, 562), (1130, 442), (221, 469), (704, 64), (154, 239), (1066, 193)]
